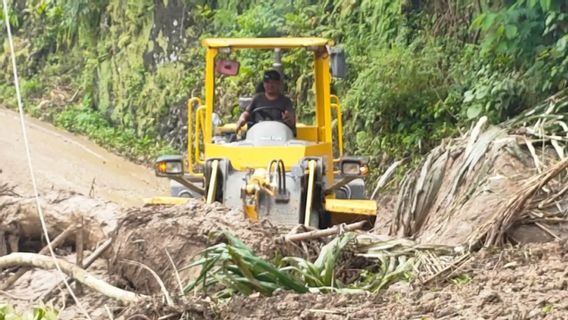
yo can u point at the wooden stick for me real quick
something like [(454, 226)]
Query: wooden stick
[(14, 243), (45, 250), (3, 246), (79, 252), (454, 264), (324, 233), (44, 262), (88, 262)]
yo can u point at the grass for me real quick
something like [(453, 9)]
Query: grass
[(88, 122)]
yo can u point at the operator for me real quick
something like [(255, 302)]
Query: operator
[(278, 106)]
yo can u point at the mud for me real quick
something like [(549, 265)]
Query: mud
[(148, 234), (36, 285), (64, 161), (526, 282), (529, 282), (61, 209)]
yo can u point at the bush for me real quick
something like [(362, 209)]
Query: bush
[(397, 104)]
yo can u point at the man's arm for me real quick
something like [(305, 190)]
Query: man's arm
[(245, 116), (289, 115)]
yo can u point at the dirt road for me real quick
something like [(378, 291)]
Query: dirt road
[(69, 162)]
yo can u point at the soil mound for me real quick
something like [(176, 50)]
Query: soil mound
[(148, 235)]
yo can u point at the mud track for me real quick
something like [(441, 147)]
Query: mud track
[(64, 161)]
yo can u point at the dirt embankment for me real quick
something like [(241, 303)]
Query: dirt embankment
[(148, 235)]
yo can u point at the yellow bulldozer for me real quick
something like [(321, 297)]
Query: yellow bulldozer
[(269, 171)]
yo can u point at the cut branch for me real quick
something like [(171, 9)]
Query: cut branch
[(44, 262), (88, 262), (324, 233), (55, 243)]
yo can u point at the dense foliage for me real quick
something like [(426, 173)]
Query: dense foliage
[(419, 71)]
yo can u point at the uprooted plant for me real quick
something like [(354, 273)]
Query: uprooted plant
[(230, 267)]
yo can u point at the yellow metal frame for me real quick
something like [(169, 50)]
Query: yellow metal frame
[(211, 192), (320, 132), (245, 157), (199, 120), (310, 195), (165, 201), (350, 206), (266, 43), (209, 92), (337, 106), (191, 141)]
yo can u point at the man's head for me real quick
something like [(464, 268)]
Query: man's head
[(272, 82)]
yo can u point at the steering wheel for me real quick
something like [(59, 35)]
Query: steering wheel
[(265, 115)]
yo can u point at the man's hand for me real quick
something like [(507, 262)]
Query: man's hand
[(242, 119), (289, 118)]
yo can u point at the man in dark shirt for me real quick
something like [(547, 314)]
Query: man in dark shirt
[(270, 104)]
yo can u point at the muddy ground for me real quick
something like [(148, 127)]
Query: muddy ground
[(64, 161), (527, 282)]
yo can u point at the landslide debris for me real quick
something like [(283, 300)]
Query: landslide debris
[(19, 216), (149, 234), (527, 282), (497, 184)]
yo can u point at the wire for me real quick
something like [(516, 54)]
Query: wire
[(29, 158)]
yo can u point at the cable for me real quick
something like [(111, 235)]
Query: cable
[(29, 158)]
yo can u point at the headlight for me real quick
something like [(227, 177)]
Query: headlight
[(354, 166), (169, 166)]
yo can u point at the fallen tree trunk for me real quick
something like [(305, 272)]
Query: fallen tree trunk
[(45, 262), (19, 216)]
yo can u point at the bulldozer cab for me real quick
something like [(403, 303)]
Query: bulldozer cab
[(272, 173)]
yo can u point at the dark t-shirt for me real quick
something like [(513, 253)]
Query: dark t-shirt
[(278, 106)]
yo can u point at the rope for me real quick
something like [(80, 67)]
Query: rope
[(29, 160)]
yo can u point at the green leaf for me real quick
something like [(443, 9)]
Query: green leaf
[(550, 18), (546, 5), (561, 44), (474, 111), (548, 308), (478, 21), (468, 96), (488, 21), (511, 31)]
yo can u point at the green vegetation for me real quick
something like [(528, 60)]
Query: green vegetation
[(84, 120), (7, 312), (350, 263), (418, 72), (232, 268)]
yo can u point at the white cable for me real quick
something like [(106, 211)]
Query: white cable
[(29, 158)]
